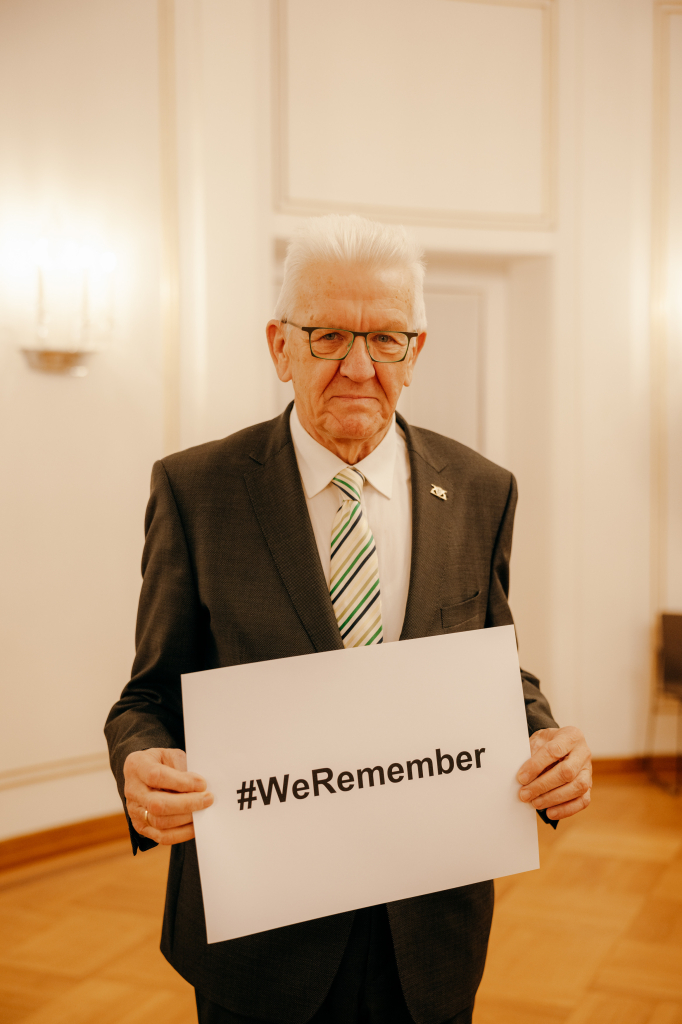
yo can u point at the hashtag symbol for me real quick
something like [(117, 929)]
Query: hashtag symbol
[(247, 794)]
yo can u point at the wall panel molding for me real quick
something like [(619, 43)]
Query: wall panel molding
[(544, 220), (47, 771)]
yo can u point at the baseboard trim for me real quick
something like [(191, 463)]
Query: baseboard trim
[(54, 841), (633, 765)]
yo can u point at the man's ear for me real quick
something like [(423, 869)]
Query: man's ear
[(277, 343), (411, 358)]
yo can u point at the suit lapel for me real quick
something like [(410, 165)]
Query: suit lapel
[(276, 492), (431, 525)]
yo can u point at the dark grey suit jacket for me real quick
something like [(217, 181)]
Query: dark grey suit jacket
[(232, 575)]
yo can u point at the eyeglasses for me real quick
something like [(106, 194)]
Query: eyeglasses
[(382, 346)]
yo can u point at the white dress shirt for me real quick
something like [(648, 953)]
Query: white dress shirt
[(386, 501)]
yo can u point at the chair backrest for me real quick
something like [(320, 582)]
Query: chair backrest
[(671, 650)]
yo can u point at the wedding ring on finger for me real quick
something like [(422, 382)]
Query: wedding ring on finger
[(146, 817)]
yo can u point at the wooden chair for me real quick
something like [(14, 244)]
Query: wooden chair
[(669, 685)]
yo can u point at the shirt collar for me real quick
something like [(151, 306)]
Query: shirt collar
[(318, 466)]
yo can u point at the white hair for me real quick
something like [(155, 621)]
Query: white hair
[(352, 240)]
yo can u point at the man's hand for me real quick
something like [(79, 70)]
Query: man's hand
[(558, 776), (157, 781)]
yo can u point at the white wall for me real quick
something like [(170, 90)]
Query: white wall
[(79, 154), (516, 141), (601, 469)]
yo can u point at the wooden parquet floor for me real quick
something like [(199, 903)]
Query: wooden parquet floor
[(594, 937)]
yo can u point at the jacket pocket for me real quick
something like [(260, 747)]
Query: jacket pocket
[(464, 613)]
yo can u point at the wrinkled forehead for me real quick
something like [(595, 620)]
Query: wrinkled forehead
[(337, 290)]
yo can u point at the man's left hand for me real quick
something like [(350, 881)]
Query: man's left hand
[(557, 777)]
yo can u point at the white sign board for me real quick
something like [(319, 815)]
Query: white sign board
[(351, 778)]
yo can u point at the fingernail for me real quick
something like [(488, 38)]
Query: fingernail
[(524, 794), (523, 777)]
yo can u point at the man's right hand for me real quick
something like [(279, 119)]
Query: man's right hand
[(157, 781)]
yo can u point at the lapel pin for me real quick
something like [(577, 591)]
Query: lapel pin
[(439, 492)]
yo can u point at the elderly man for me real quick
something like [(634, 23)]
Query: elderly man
[(324, 529)]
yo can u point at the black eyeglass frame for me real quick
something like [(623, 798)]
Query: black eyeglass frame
[(361, 334)]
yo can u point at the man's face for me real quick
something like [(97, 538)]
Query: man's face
[(346, 405)]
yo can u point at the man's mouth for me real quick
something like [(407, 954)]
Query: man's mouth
[(356, 398)]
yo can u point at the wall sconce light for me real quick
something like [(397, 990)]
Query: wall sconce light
[(74, 304), (52, 360)]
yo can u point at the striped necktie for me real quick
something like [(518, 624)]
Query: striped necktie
[(354, 573)]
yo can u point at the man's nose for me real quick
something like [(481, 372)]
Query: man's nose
[(357, 365)]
